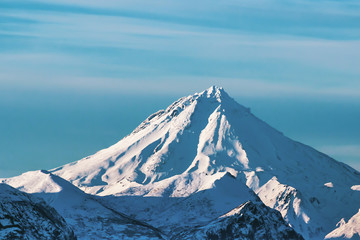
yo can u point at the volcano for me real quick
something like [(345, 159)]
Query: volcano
[(205, 155)]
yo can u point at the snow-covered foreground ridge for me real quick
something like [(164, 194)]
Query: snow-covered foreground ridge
[(204, 156), (25, 217)]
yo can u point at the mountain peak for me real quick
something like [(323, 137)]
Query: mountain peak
[(215, 89), (215, 92)]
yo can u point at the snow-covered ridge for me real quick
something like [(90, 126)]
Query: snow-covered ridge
[(350, 229), (26, 217), (88, 216)]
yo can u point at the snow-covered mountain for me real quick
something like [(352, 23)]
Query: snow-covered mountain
[(25, 217), (186, 166), (196, 141)]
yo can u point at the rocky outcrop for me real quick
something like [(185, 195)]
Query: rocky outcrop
[(248, 221)]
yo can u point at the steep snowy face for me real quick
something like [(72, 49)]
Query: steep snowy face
[(198, 140), (193, 135), (26, 217)]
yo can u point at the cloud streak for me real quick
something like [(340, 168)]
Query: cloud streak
[(302, 48)]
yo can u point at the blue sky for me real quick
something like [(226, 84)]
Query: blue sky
[(295, 63)]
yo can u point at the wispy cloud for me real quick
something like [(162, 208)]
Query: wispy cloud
[(268, 48), (251, 88)]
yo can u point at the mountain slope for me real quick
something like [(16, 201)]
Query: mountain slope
[(26, 217), (174, 214), (88, 216)]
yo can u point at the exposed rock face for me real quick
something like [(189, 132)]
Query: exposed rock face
[(24, 217), (248, 221)]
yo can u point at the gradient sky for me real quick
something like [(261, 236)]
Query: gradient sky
[(77, 76)]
